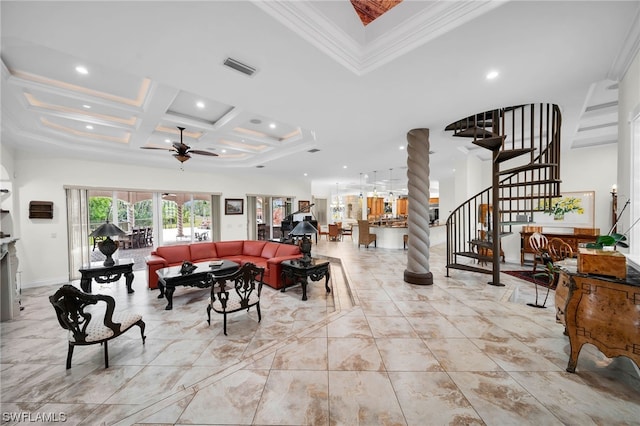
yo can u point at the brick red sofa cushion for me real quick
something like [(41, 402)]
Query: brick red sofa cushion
[(201, 252), (174, 254), (253, 248), (229, 248)]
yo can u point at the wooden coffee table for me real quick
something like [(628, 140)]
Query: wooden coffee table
[(171, 277), (298, 272)]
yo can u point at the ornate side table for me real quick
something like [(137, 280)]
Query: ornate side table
[(106, 274), (298, 272)]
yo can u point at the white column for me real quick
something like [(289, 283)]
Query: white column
[(417, 271)]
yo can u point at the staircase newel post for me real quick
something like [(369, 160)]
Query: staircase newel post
[(417, 271), (495, 219)]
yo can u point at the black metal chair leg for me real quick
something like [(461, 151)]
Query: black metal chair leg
[(69, 355), (225, 324), (142, 326), (106, 355)]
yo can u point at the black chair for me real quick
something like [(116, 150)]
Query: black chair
[(85, 325), (243, 292)]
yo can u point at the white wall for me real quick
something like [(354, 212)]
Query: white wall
[(43, 246), (7, 225), (628, 105)]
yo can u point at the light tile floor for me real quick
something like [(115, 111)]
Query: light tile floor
[(377, 351)]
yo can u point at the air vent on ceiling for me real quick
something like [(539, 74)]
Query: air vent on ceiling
[(314, 150), (239, 66), (259, 167)]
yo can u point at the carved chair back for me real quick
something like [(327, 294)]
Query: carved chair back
[(559, 249), (236, 291), (77, 312), (539, 244)]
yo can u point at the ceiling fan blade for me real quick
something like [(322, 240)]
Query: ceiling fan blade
[(197, 151), (155, 147)]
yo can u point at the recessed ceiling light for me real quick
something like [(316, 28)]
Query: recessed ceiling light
[(89, 126), (492, 74), (80, 69), (200, 104), (86, 106), (167, 140), (344, 167), (272, 125), (306, 174), (224, 150)]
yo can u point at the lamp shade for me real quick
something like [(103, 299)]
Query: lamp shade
[(107, 230), (304, 228)]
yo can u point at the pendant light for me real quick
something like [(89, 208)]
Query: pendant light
[(390, 184), (361, 186), (375, 178)]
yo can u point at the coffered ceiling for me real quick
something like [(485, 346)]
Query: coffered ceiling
[(329, 99)]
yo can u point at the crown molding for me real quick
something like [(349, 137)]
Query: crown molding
[(630, 49), (307, 21)]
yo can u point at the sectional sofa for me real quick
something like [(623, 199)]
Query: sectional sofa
[(266, 254)]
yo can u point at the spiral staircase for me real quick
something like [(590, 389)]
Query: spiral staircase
[(524, 142)]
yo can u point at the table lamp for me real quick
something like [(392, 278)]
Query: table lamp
[(108, 246), (304, 228)]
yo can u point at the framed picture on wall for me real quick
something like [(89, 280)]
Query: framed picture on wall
[(233, 206), (572, 209), (303, 206)]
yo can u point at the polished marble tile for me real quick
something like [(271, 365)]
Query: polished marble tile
[(374, 351)]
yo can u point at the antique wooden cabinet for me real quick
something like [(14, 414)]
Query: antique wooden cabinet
[(602, 311), (375, 206)]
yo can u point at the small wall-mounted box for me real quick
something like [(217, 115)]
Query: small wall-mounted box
[(41, 210)]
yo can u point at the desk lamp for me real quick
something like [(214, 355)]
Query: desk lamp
[(108, 246), (304, 228)]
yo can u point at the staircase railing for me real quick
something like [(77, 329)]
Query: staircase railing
[(525, 142)]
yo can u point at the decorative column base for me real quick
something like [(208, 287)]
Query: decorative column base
[(425, 278)]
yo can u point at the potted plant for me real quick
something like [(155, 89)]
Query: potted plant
[(611, 240), (550, 273)]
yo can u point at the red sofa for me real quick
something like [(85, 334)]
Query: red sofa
[(265, 254)]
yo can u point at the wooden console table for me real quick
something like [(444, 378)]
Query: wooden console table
[(573, 239), (602, 311)]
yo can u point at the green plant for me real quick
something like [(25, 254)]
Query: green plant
[(612, 239), (549, 272)]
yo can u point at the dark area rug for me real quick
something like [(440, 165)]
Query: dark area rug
[(541, 280)]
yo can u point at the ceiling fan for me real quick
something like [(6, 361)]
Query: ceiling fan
[(182, 151)]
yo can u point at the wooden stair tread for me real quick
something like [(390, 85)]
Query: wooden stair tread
[(463, 124), (526, 197), (474, 255), (472, 132), (493, 143), (512, 153), (536, 182), (471, 268), (527, 167)]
